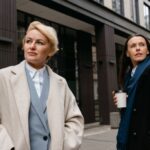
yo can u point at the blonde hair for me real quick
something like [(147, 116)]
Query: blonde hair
[(48, 32)]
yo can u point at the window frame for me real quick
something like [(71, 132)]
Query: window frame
[(118, 10), (147, 14), (135, 11)]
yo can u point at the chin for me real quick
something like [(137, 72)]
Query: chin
[(31, 60), (140, 60)]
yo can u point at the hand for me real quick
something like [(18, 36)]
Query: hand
[(114, 98)]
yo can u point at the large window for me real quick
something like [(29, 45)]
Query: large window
[(147, 16), (117, 6), (135, 10)]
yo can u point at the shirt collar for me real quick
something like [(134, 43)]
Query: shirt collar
[(33, 71), (133, 71)]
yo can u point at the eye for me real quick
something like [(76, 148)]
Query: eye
[(141, 44), (133, 45), (39, 42), (28, 41)]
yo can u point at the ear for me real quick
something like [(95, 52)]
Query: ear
[(147, 52), (50, 52), (49, 55)]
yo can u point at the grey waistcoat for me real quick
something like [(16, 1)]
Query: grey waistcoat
[(38, 124)]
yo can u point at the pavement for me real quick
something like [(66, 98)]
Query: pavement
[(99, 138)]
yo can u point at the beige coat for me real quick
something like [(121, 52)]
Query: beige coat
[(64, 117)]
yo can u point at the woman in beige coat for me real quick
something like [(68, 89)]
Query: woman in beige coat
[(37, 109)]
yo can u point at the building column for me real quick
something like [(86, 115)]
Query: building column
[(8, 33), (85, 69), (107, 75)]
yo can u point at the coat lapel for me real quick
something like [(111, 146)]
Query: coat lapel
[(38, 108), (54, 111), (22, 96)]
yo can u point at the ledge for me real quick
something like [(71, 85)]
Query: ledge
[(6, 40)]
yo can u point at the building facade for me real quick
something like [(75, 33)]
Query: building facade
[(91, 37)]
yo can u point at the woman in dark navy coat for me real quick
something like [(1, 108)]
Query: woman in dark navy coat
[(134, 128)]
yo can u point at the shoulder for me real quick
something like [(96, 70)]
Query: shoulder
[(11, 69), (56, 76), (144, 80), (146, 71), (6, 70), (5, 74)]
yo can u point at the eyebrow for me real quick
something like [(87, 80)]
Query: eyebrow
[(36, 39)]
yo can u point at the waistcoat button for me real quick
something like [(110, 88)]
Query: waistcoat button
[(45, 138)]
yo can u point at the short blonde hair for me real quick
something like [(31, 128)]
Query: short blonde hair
[(49, 32)]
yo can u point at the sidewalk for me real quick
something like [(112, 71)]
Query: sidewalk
[(99, 138)]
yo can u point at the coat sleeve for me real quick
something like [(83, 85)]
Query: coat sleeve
[(74, 123), (5, 140)]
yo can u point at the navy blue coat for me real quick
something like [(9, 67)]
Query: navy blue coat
[(139, 130)]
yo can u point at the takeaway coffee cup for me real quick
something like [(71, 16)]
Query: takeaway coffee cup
[(121, 98)]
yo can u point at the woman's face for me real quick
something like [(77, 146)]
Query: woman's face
[(137, 49), (36, 48)]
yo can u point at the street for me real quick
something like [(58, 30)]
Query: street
[(99, 138)]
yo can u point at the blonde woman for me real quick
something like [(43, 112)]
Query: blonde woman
[(37, 109)]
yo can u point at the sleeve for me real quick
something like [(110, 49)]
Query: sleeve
[(74, 123), (5, 140)]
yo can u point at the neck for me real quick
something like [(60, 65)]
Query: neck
[(37, 67)]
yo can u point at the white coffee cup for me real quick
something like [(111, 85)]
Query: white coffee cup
[(121, 99)]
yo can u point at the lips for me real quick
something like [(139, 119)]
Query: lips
[(32, 53), (138, 54)]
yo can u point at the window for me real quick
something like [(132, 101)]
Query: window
[(147, 16), (135, 11), (117, 6), (98, 1)]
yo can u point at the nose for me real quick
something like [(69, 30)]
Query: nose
[(137, 47), (32, 46)]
